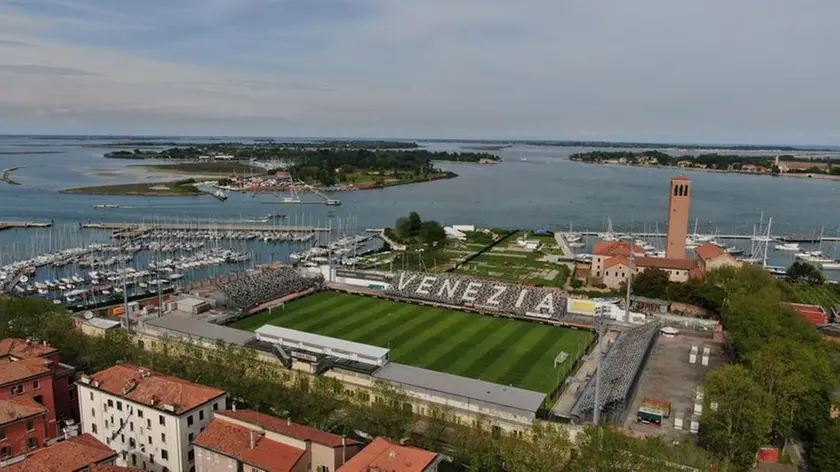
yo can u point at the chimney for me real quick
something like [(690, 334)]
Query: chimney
[(234, 406), (288, 421), (253, 442)]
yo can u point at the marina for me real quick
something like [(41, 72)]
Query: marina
[(199, 226)]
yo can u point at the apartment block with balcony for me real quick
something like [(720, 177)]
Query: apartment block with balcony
[(149, 418)]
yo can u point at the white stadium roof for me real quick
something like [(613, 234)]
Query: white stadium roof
[(326, 344)]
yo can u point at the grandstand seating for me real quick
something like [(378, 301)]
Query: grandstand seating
[(248, 289), (485, 294), (620, 369)]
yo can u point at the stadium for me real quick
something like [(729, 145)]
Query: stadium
[(486, 349), (504, 351)]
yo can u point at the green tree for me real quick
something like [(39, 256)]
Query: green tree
[(432, 233), (403, 227), (416, 222), (824, 454), (802, 272), (735, 421), (651, 283), (546, 449)]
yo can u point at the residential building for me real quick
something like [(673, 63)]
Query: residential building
[(78, 454), (710, 256), (23, 426), (247, 440), (31, 378), (383, 455), (617, 269), (604, 250), (150, 419), (679, 204), (61, 400)]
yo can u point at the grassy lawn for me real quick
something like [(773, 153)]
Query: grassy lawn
[(180, 188), (508, 261), (507, 352)]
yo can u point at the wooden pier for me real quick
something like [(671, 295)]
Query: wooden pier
[(22, 224), (143, 227)]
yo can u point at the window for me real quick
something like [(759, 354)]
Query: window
[(190, 437), (93, 428), (161, 420), (122, 438), (30, 425), (165, 469), (201, 415), (32, 443), (149, 423), (39, 399), (2, 434), (139, 413), (18, 389), (119, 405), (110, 403), (132, 443), (189, 420), (5, 451), (215, 406), (163, 437), (191, 456), (321, 468), (164, 454), (150, 440), (91, 396), (131, 426), (134, 460), (36, 385)]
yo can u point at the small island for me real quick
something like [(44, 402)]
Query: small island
[(178, 188), (785, 164), (344, 165)]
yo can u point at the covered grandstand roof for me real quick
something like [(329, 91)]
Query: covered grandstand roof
[(186, 327), (323, 344), (488, 392), (620, 369)]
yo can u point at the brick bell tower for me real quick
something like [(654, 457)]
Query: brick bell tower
[(678, 209)]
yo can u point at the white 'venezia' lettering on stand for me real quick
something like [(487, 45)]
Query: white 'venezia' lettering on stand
[(450, 288), (521, 299), (547, 304), (404, 283), (498, 290), (425, 285), (471, 291)]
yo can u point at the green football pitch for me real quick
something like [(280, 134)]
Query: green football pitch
[(503, 351)]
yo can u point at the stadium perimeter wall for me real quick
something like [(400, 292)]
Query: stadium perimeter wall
[(193, 341)]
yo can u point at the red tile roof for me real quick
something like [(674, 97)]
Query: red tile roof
[(664, 263), (152, 388), (615, 248), (284, 427), (709, 251), (22, 349), (383, 455), (18, 408), (113, 468), (814, 314), (27, 368), (66, 456), (613, 261), (234, 441), (681, 178)]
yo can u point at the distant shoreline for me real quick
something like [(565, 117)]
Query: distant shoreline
[(719, 171)]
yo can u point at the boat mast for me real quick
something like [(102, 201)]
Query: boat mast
[(767, 243)]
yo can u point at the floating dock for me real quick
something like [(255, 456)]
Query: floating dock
[(143, 227), (22, 224)]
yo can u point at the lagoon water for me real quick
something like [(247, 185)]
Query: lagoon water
[(535, 186)]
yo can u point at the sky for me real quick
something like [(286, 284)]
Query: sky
[(711, 71)]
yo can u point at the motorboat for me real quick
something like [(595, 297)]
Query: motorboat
[(791, 247)]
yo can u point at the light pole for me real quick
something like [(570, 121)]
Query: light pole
[(599, 318)]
